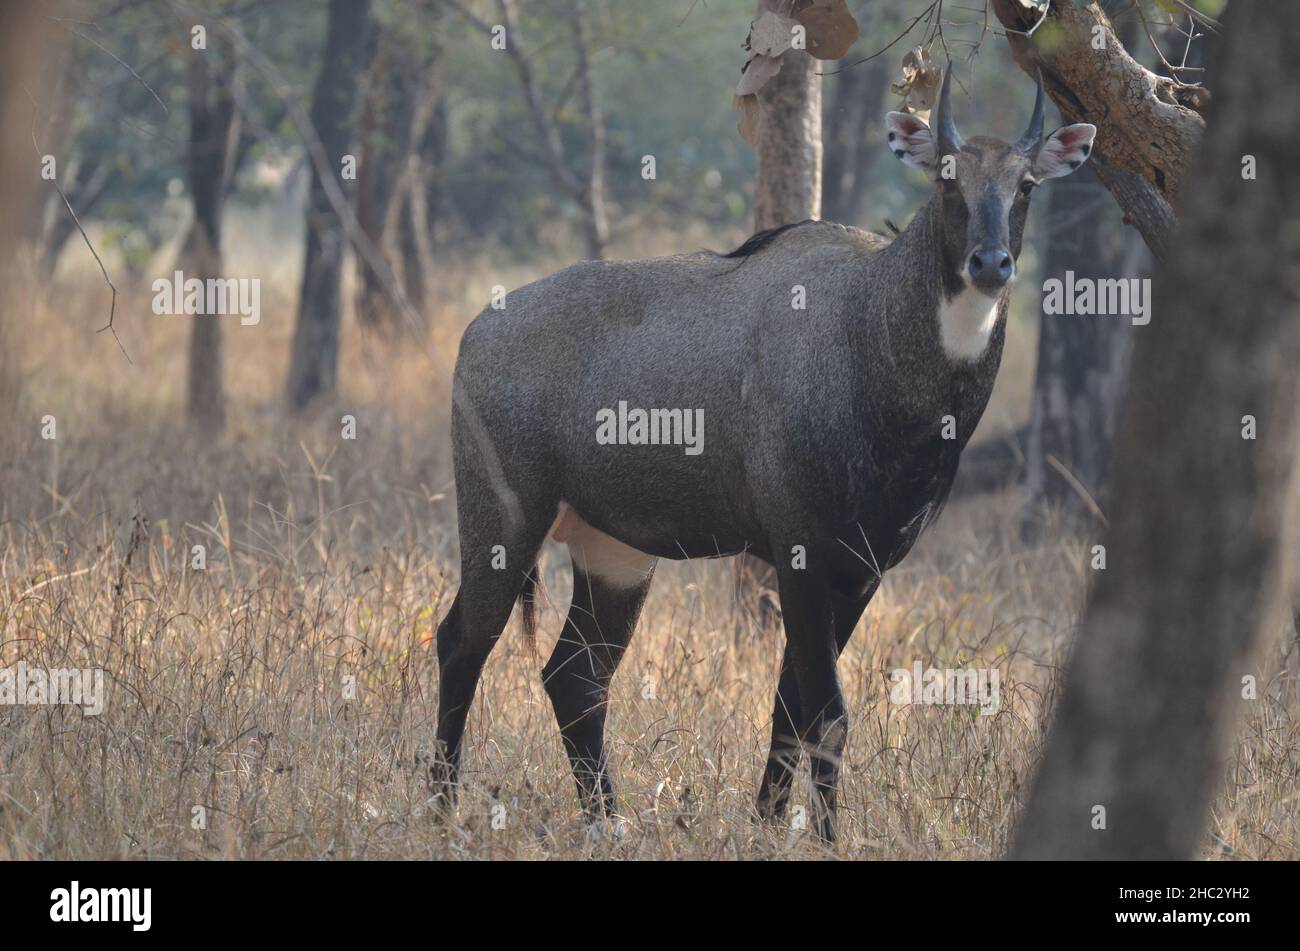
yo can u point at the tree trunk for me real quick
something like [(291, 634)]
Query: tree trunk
[(402, 105), (214, 136), (856, 105), (385, 141), (61, 78), (595, 221), (788, 189), (23, 41), (415, 209), (314, 370), (789, 184), (1194, 549), (1082, 361)]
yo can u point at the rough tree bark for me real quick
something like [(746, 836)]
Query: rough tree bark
[(1145, 138), (214, 136), (314, 370), (1194, 548), (789, 184)]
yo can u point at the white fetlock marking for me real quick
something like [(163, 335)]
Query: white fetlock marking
[(613, 829)]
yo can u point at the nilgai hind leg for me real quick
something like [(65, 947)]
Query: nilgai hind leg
[(499, 543), (577, 677), (610, 582)]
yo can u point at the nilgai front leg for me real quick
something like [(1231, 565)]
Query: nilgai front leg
[(783, 754), (806, 605)]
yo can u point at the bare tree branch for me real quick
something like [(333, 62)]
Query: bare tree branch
[(112, 307)]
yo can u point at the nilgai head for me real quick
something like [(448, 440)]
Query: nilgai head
[(985, 184)]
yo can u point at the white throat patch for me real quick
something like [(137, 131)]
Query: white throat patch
[(965, 323)]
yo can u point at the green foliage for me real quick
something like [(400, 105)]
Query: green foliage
[(663, 75)]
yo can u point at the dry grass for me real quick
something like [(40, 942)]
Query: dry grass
[(329, 559)]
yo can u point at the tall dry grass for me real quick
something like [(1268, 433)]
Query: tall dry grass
[(230, 730)]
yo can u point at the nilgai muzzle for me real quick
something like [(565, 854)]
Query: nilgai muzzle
[(813, 438)]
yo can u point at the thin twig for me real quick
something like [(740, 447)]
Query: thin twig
[(1047, 7), (112, 307), (886, 47), (1173, 70), (1079, 489), (122, 63)]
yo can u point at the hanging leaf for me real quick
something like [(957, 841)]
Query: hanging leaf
[(756, 73), (747, 106), (830, 27), (920, 85), (771, 35)]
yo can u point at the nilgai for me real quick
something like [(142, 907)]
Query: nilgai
[(688, 407)]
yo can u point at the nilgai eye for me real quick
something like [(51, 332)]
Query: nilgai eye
[(1026, 187)]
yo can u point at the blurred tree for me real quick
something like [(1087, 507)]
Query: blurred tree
[(213, 147), (855, 106), (22, 40), (403, 138), (314, 368), (116, 143), (1198, 521), (1083, 364), (593, 192), (413, 217), (587, 189), (789, 147)]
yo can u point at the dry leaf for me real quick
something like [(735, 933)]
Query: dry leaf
[(771, 34), (747, 106), (920, 85), (756, 73), (830, 26)]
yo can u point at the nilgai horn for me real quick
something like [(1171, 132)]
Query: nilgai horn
[(688, 407)]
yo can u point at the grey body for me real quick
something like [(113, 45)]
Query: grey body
[(832, 435), (820, 424)]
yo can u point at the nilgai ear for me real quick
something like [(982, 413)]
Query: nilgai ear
[(1065, 150), (910, 140)]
